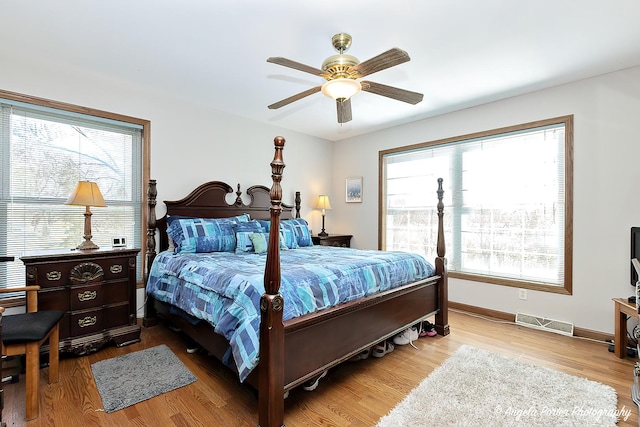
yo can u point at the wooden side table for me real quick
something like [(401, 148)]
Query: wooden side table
[(341, 240), (622, 310)]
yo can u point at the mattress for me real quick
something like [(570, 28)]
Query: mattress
[(224, 288)]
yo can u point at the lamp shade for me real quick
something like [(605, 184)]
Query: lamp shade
[(86, 193), (341, 88), (323, 202)]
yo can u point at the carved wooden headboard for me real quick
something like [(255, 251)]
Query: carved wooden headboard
[(209, 201)]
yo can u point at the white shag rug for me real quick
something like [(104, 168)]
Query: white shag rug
[(475, 387)]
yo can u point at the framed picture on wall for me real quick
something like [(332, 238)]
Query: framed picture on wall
[(354, 189)]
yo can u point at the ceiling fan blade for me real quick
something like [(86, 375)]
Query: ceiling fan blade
[(296, 65), (383, 61), (344, 111), (294, 98), (391, 92)]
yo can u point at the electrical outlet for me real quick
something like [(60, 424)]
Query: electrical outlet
[(522, 294)]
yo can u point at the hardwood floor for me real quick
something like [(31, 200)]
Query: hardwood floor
[(353, 394)]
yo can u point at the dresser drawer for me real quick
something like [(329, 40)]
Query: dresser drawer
[(334, 242), (65, 326), (83, 297), (87, 322), (49, 275), (116, 292), (53, 299), (116, 315), (117, 268)]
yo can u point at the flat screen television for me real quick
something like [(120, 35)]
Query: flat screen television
[(635, 252)]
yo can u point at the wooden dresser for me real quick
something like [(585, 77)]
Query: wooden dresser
[(2, 424), (95, 288)]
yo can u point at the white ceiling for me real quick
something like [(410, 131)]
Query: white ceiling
[(213, 52)]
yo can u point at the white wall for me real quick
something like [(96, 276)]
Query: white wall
[(606, 113), (190, 144)]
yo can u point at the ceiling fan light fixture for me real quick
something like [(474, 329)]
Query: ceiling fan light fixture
[(341, 88), (343, 72)]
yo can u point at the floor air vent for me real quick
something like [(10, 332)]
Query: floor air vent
[(544, 324)]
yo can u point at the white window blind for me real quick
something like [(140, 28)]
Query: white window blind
[(505, 203), (43, 154)]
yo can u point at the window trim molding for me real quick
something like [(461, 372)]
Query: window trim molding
[(567, 287), (146, 144)]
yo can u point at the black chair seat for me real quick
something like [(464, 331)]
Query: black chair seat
[(28, 327)]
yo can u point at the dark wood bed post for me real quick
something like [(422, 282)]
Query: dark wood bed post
[(271, 368), (442, 317), (150, 317), (152, 194), (298, 201)]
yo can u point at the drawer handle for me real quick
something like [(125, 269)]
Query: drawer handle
[(115, 269), (54, 275), (87, 295), (32, 272), (88, 321)]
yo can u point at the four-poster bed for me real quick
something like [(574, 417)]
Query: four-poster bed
[(292, 350)]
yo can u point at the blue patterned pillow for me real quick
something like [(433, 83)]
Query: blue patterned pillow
[(194, 235), (265, 223), (283, 244), (172, 218), (301, 230), (183, 230), (243, 232), (287, 229), (240, 218)]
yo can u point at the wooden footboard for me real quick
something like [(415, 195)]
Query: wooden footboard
[(298, 349)]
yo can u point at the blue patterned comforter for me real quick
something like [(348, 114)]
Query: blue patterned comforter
[(224, 289)]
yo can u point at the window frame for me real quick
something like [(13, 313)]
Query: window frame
[(145, 157), (567, 287)]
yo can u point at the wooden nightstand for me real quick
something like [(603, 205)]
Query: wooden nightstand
[(622, 309), (342, 240), (95, 288)]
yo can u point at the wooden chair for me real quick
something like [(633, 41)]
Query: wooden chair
[(2, 424), (25, 333)]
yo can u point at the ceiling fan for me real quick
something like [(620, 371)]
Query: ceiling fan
[(342, 72)]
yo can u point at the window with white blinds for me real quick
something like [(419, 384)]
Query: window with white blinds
[(44, 152), (507, 203)]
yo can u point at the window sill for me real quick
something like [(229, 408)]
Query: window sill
[(556, 289)]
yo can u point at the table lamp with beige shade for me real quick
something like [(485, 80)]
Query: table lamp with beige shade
[(324, 204), (87, 194)]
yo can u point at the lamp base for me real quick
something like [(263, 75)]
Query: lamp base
[(323, 233), (87, 245)]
